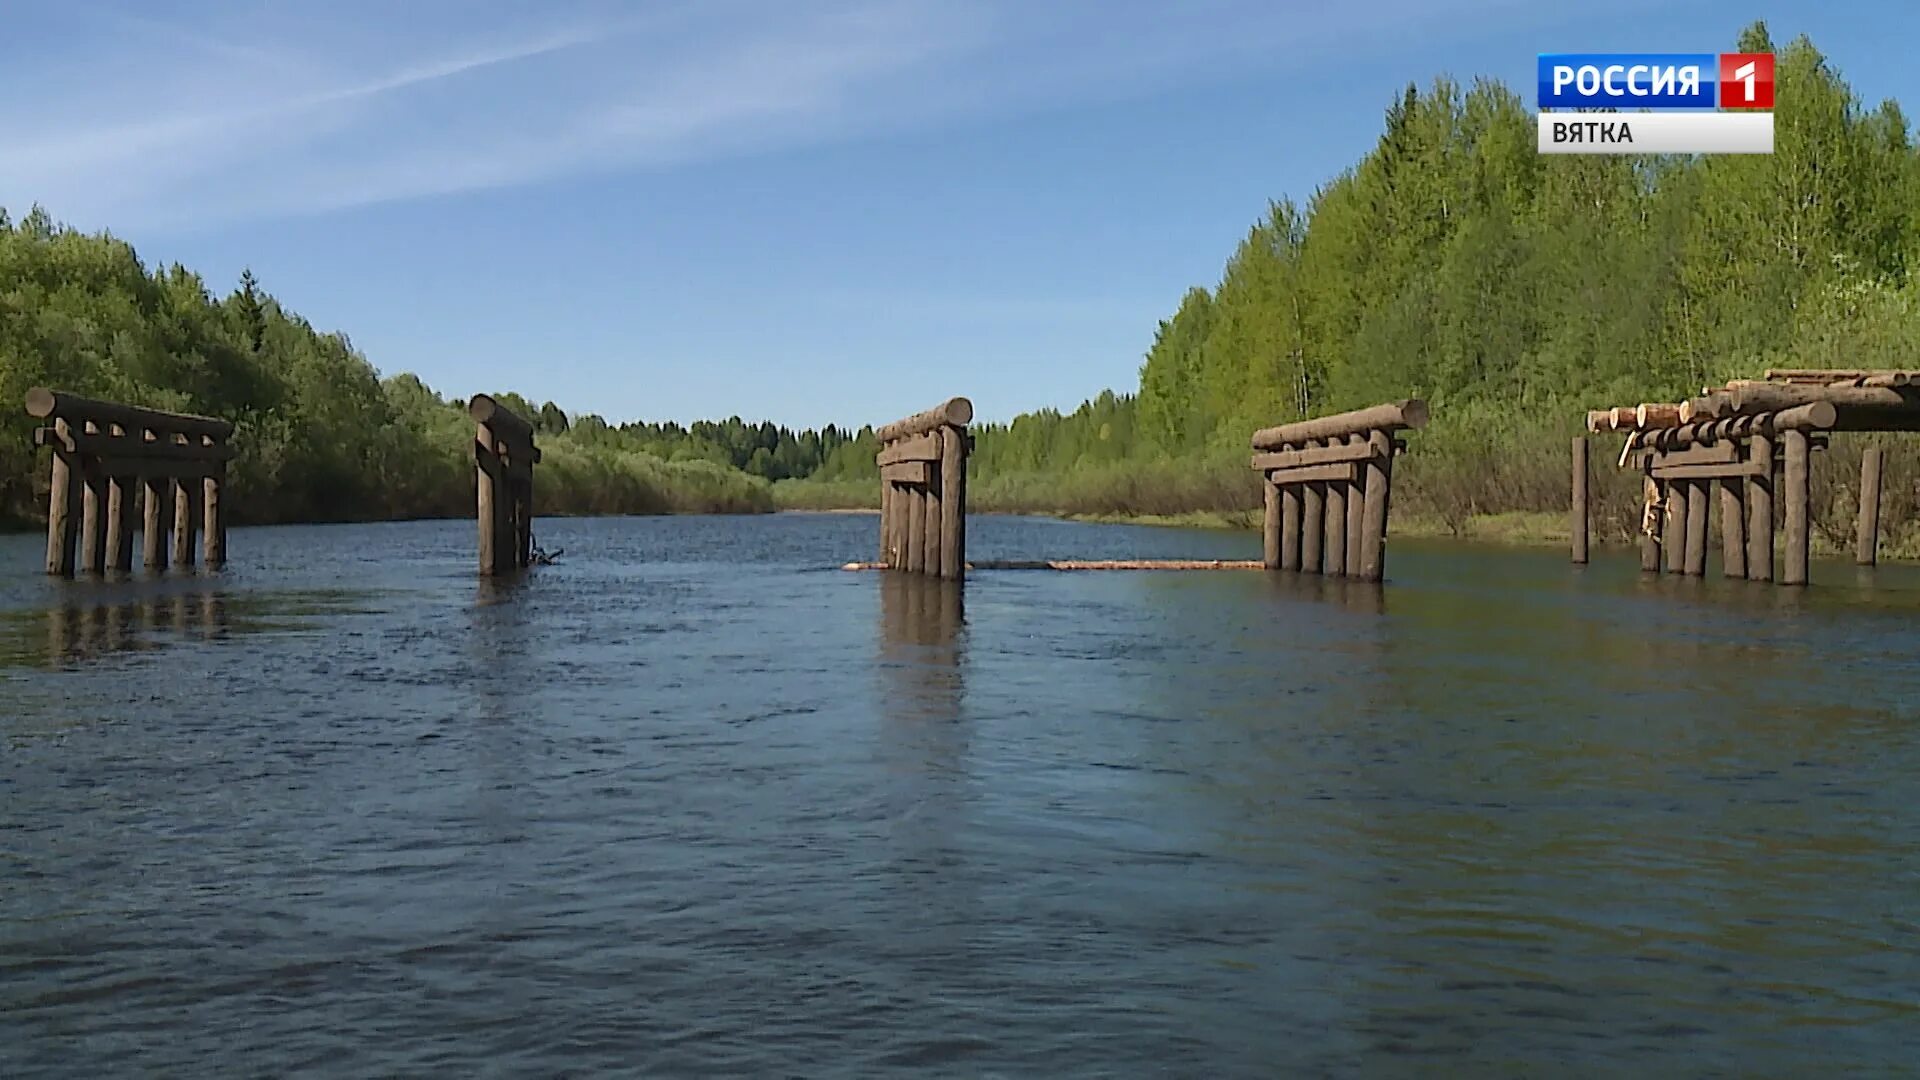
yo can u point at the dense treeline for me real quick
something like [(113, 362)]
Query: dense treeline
[(1513, 291), (319, 435)]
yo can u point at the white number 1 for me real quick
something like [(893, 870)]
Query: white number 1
[(1745, 73)]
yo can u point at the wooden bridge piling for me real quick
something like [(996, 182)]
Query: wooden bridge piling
[(504, 455), (1328, 483), (1796, 476), (923, 491), (1733, 528), (1866, 541), (1581, 512)]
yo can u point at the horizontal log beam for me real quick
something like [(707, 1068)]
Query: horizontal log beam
[(918, 448), (1716, 453), (43, 404), (131, 446), (908, 472), (1393, 416), (1345, 472), (1319, 455), (503, 422), (1856, 376), (1094, 564), (1708, 472), (159, 468), (954, 412), (1814, 416)]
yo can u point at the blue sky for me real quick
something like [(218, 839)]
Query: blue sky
[(799, 210)]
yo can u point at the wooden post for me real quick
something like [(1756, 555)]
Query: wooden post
[(186, 512), (916, 529), (1733, 529), (1760, 510), (1356, 512), (886, 523), (1577, 523), (1270, 527), (523, 519), (157, 510), (1673, 527), (930, 506), (1696, 539), (1333, 551), (1312, 522), (120, 523), (494, 511), (1866, 540), (1373, 528), (1289, 526), (93, 519), (953, 503), (63, 507), (1794, 570), (214, 523)]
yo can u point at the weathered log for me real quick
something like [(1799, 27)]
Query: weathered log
[(1580, 514), (214, 525), (1092, 564), (93, 521), (186, 507), (1733, 529), (1377, 494), (955, 412), (1857, 375), (494, 508), (1794, 570), (1710, 406), (1270, 526), (63, 508), (1411, 413), (886, 521), (1695, 549), (157, 507), (1338, 473), (918, 448), (1812, 416), (120, 523), (1289, 527), (1356, 508), (1620, 418), (1715, 453), (907, 472), (43, 403), (1859, 408), (1656, 415), (1333, 547), (523, 521), (1866, 540), (1312, 525), (1325, 455), (930, 499), (1673, 531), (188, 448), (1760, 510), (1702, 472), (497, 418), (916, 529)]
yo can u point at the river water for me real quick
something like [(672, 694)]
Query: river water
[(694, 801)]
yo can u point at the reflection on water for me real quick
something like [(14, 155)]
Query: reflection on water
[(689, 803)]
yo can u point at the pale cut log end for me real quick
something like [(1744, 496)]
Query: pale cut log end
[(959, 411), (1414, 412), (40, 402)]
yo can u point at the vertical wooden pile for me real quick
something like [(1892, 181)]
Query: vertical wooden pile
[(1328, 483), (923, 491), (102, 452), (503, 458)]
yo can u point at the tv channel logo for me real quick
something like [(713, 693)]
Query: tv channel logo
[(1655, 81)]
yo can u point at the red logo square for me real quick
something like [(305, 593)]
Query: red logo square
[(1746, 80)]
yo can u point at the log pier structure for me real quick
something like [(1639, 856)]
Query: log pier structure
[(1747, 447), (503, 457), (103, 453), (923, 491), (1328, 489)]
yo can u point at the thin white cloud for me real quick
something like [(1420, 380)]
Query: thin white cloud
[(268, 118)]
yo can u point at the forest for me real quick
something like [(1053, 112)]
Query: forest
[(1512, 290)]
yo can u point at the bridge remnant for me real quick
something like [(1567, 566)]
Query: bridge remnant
[(503, 458), (1328, 487), (102, 452), (923, 490)]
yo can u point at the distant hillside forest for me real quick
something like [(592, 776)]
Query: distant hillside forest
[(1511, 290)]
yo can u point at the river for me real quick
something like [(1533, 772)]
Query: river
[(695, 800)]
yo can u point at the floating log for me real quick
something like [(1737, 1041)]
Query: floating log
[(1577, 522), (1093, 564), (954, 412), (1396, 416), (1866, 541)]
